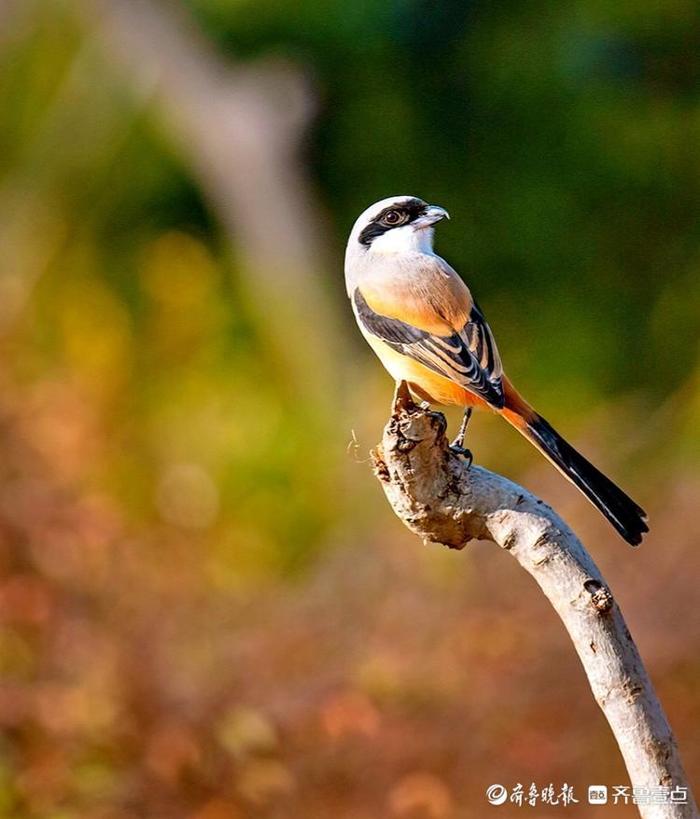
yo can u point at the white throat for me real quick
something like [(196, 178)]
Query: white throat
[(404, 239)]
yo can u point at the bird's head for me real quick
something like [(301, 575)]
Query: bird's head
[(398, 224)]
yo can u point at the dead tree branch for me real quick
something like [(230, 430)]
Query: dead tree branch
[(441, 500)]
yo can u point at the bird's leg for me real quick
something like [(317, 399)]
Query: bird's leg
[(457, 446), (459, 440)]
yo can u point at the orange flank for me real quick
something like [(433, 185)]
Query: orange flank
[(424, 382), (438, 389)]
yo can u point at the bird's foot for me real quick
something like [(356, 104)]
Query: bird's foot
[(461, 451)]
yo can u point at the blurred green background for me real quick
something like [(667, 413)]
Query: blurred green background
[(207, 609)]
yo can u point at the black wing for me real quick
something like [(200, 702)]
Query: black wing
[(468, 357)]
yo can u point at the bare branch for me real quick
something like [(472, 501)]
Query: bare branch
[(441, 500)]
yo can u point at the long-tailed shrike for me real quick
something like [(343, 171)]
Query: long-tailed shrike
[(421, 320)]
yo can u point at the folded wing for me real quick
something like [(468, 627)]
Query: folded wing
[(467, 356)]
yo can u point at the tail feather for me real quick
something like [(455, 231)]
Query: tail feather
[(623, 513)]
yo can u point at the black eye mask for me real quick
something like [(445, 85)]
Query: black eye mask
[(413, 208)]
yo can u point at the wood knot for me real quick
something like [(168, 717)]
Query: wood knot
[(439, 423), (601, 597), (416, 426), (405, 444)]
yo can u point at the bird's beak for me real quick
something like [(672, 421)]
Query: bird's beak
[(433, 214)]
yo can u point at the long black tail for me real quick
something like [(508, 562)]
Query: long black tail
[(623, 513)]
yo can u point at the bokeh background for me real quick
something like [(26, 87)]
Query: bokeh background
[(207, 609)]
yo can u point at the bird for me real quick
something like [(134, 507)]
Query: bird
[(419, 317)]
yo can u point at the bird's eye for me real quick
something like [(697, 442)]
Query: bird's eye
[(393, 217)]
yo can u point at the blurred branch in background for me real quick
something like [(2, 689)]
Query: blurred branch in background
[(241, 129)]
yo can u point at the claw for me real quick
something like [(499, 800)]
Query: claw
[(460, 451), (457, 446)]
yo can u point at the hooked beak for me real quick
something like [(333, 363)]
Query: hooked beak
[(433, 214)]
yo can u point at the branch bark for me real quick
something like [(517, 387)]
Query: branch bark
[(434, 493)]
